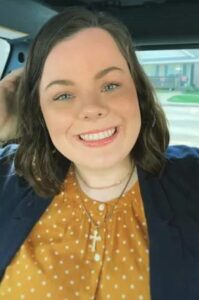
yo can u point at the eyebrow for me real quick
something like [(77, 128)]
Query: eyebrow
[(99, 75)]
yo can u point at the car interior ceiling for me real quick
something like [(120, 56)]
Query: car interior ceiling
[(154, 24)]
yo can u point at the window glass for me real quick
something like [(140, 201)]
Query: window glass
[(4, 54), (175, 76)]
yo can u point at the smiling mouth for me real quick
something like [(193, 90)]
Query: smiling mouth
[(103, 135)]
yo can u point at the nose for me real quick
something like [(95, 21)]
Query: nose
[(92, 112)]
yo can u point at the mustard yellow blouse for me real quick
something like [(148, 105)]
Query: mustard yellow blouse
[(56, 260)]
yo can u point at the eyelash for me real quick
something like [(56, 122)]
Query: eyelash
[(112, 83), (58, 98)]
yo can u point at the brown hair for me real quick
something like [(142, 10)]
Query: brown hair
[(35, 159)]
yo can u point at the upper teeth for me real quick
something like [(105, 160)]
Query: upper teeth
[(98, 136)]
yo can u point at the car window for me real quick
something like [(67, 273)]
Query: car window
[(175, 76), (4, 54)]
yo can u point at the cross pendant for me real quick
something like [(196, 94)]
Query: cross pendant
[(95, 238)]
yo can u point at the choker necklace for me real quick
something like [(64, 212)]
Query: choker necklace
[(95, 236), (102, 187)]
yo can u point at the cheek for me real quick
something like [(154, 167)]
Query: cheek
[(133, 108), (128, 105), (131, 114), (57, 121), (133, 103)]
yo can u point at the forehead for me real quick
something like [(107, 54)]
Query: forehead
[(92, 47)]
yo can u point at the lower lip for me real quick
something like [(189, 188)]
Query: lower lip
[(102, 142)]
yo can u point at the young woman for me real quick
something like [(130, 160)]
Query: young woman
[(94, 204)]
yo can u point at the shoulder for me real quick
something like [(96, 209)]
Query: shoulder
[(182, 152), (180, 182), (13, 188), (7, 151), (183, 159), (181, 173), (7, 154), (9, 180)]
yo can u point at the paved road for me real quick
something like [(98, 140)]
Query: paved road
[(183, 123)]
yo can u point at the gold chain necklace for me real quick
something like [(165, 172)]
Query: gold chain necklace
[(96, 237), (102, 187)]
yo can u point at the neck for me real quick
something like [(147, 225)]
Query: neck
[(104, 177), (106, 195)]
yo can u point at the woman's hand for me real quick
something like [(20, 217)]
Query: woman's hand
[(8, 117)]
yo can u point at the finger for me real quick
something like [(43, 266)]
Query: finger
[(14, 76)]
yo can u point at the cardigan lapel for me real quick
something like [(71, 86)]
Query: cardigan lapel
[(30, 207), (19, 225), (167, 271)]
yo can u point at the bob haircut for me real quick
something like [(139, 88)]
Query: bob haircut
[(36, 159)]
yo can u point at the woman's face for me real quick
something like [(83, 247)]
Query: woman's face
[(86, 86)]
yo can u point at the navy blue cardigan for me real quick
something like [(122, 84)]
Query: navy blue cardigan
[(171, 203)]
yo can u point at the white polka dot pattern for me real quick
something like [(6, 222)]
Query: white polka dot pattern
[(56, 260)]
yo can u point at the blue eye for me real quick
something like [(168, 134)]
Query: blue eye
[(111, 86), (63, 97)]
